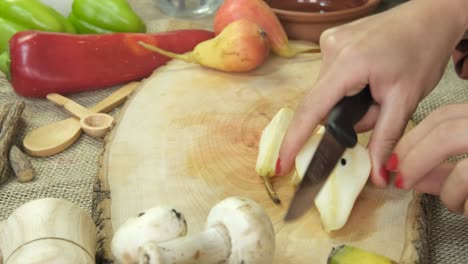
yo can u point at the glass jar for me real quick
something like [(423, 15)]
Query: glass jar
[(188, 8)]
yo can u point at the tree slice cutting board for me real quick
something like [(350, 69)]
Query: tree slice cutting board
[(189, 138)]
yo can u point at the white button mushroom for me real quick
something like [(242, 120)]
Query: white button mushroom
[(160, 223), (237, 231)]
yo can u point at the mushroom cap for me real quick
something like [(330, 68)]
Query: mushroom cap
[(249, 227), (157, 224)]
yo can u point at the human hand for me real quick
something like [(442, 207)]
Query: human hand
[(419, 157), (401, 53)]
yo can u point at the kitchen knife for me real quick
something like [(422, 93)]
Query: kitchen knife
[(339, 135)]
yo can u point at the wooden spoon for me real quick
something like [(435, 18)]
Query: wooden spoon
[(93, 124), (53, 138)]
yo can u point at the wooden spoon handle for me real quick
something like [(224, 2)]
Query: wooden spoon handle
[(115, 99), (106, 105), (69, 105)]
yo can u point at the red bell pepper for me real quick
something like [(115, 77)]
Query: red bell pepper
[(47, 62)]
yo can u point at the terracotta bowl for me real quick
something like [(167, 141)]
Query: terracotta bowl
[(307, 19)]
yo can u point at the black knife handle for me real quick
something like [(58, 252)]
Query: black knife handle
[(346, 113)]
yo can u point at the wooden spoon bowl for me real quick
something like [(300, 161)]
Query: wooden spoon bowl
[(55, 137), (93, 124), (97, 125)]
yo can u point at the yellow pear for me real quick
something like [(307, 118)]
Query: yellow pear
[(335, 200), (346, 254), (241, 46)]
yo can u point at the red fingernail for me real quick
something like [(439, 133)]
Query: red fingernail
[(399, 181), (278, 166), (384, 174), (392, 163)]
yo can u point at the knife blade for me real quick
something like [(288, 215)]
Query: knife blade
[(339, 134)]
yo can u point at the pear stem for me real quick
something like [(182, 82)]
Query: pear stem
[(185, 57), (293, 48), (271, 192)]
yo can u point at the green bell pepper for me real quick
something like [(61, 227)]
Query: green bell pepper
[(5, 64), (20, 15), (104, 16)]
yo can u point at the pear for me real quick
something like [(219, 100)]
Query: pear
[(335, 200), (337, 196), (270, 142), (346, 254), (269, 146), (257, 11), (242, 46)]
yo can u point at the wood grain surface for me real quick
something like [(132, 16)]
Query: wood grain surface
[(189, 137), (48, 230)]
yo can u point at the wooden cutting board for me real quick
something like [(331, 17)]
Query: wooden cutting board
[(189, 138)]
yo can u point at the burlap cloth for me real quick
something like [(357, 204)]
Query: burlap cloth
[(71, 175)]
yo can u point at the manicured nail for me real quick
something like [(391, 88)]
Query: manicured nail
[(392, 163), (384, 174), (399, 181), (278, 166)]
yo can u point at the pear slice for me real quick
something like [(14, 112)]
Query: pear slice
[(270, 142), (269, 146), (338, 194)]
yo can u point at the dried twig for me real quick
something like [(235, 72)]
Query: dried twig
[(21, 165), (8, 131), (3, 114)]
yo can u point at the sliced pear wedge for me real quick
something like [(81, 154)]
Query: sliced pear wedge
[(338, 194), (269, 146)]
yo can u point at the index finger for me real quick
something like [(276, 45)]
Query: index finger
[(317, 104)]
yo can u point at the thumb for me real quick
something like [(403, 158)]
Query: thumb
[(388, 130)]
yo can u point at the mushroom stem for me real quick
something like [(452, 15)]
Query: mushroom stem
[(213, 245), (237, 230), (157, 224)]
